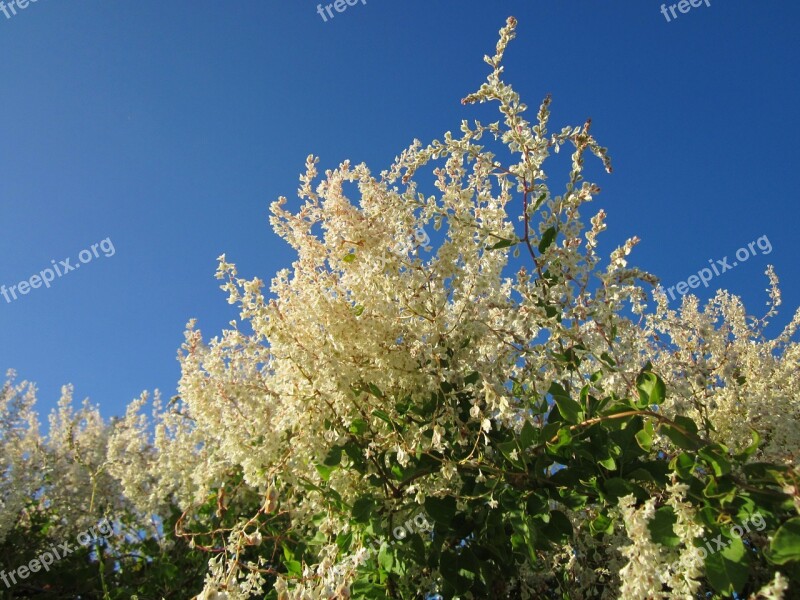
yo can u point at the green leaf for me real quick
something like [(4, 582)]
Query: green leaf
[(403, 406), (645, 438), (293, 567), (558, 529), (785, 546), (375, 390), (363, 587), (661, 527), (416, 547), (608, 463), (502, 244), (686, 423), (450, 567), (573, 500), (569, 409), (720, 488), (652, 389), (441, 510), (324, 471), (358, 426), (548, 237), (348, 258), (601, 524), (528, 435), (616, 487), (362, 509), (539, 201), (551, 311), (343, 541), (383, 416), (716, 459), (606, 358), (684, 435), (564, 438), (472, 378), (386, 558), (751, 449), (727, 570), (334, 457), (683, 464), (767, 471), (358, 309), (524, 537)]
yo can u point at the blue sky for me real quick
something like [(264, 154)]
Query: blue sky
[(169, 127)]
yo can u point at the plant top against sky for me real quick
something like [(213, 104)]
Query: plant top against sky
[(559, 434)]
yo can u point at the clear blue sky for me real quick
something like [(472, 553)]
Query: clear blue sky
[(169, 127)]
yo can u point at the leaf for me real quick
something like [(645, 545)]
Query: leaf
[(541, 197), (616, 487), (375, 390), (608, 463), (363, 587), (684, 435), (564, 438), (358, 310), (720, 488), (386, 558), (767, 471), (652, 389), (358, 426), (501, 244), (472, 378), (416, 547), (524, 537), (528, 435), (403, 406), (362, 509), (548, 237), (569, 409), (573, 500), (441, 510), (325, 472), (558, 529), (551, 311), (383, 416), (601, 524), (449, 567), (785, 546), (348, 258), (683, 464), (715, 458), (661, 527), (727, 570), (293, 567), (750, 450), (686, 423), (343, 541), (334, 457), (606, 358), (645, 439)]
